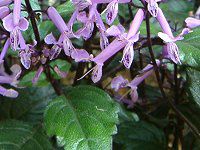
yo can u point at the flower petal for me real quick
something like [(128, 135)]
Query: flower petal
[(37, 75), (67, 46), (173, 52), (165, 37), (153, 8), (8, 22), (192, 22), (111, 12), (114, 31), (50, 39), (134, 95), (97, 73), (8, 93), (118, 83), (80, 55), (23, 24), (54, 52), (103, 41), (128, 55), (25, 58), (4, 12)]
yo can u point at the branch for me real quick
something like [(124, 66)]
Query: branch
[(33, 22), (194, 129)]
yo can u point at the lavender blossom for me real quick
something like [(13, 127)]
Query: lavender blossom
[(192, 22), (5, 2), (4, 50), (26, 53), (167, 36), (15, 24), (37, 75), (125, 40), (111, 9), (153, 7), (119, 82), (4, 12), (66, 33), (9, 79)]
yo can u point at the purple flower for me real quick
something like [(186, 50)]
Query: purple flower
[(167, 36), (111, 9), (66, 33), (192, 22), (37, 75), (5, 2), (81, 4), (128, 53), (119, 82), (4, 50), (25, 55), (15, 24), (117, 45), (4, 12), (9, 79), (153, 7)]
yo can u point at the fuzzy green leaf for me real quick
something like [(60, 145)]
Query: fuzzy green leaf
[(83, 119)]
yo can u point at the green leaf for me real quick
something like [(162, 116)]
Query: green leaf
[(176, 11), (29, 106), (84, 118), (66, 9), (140, 135), (15, 135), (192, 112), (193, 84), (190, 49)]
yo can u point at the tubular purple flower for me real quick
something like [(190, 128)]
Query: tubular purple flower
[(163, 23), (66, 33), (4, 50), (135, 24), (146, 72), (119, 82), (117, 45), (37, 75), (57, 19), (14, 24), (167, 36), (192, 22), (5, 2), (16, 12), (110, 50)]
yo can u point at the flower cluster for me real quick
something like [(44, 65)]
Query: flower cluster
[(88, 16)]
